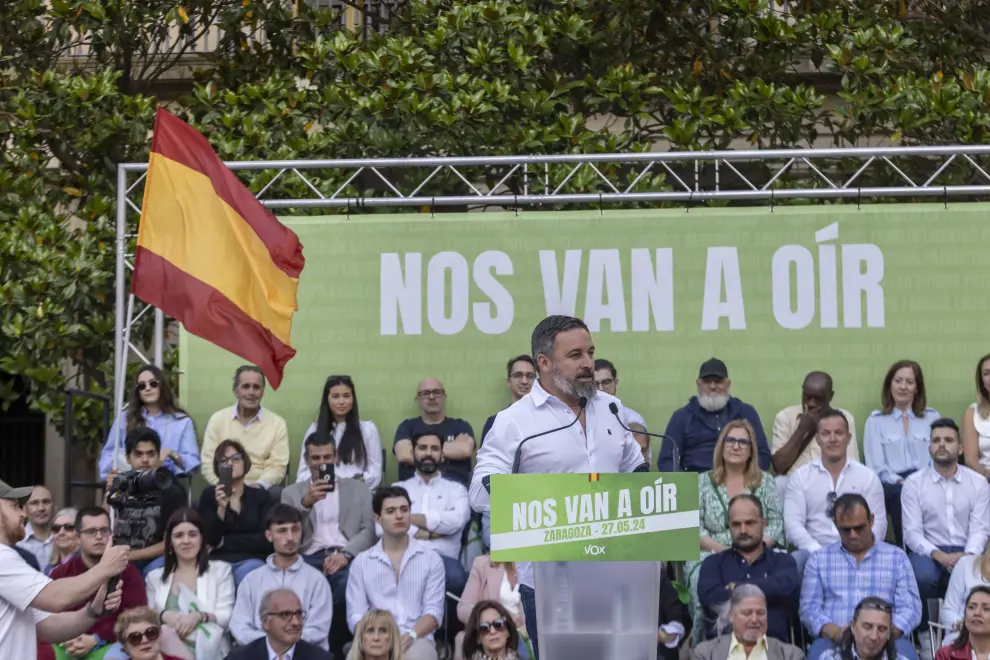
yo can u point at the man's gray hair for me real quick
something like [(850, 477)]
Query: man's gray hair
[(545, 333), (266, 600), (739, 594)]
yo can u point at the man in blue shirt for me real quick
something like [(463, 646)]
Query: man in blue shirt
[(695, 427), (750, 561)]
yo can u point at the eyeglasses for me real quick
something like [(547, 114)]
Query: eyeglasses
[(143, 385), (231, 459), (430, 394), (737, 442), (288, 616), (524, 375), (69, 527), (136, 638), (498, 625), (94, 532), (606, 382)]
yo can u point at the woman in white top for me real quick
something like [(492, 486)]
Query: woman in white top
[(194, 596), (359, 447), (976, 422), (970, 571)]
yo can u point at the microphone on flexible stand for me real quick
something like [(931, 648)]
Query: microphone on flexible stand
[(517, 459), (615, 411)]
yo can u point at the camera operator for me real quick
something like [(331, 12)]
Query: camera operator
[(141, 517), (27, 597)]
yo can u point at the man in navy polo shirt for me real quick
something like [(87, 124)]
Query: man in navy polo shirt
[(750, 561)]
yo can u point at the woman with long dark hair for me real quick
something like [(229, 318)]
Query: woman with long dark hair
[(191, 592), (151, 403), (490, 633), (870, 634), (359, 446), (974, 635)]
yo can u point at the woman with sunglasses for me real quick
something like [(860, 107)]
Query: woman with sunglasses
[(491, 580), (359, 446), (735, 470), (376, 637), (66, 537), (235, 520), (152, 404), (140, 635), (974, 633), (490, 633), (195, 596)]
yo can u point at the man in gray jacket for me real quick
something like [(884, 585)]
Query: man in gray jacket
[(337, 525), (747, 612)]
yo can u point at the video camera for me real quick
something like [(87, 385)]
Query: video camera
[(135, 485)]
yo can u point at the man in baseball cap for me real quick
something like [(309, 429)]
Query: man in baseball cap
[(695, 427), (28, 597)]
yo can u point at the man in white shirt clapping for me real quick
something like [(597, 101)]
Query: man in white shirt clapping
[(814, 487), (439, 508), (596, 442), (946, 513)]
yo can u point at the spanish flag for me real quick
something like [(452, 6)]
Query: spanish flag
[(211, 256)]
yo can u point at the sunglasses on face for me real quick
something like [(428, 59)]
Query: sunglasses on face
[(497, 625), (69, 527), (143, 385), (138, 638)]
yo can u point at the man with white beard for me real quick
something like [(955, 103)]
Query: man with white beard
[(695, 427), (596, 442)]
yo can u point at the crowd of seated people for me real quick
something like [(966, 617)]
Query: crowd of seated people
[(344, 564)]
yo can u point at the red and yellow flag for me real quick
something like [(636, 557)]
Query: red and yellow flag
[(211, 256)]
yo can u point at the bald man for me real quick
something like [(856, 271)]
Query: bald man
[(456, 434), (795, 427)]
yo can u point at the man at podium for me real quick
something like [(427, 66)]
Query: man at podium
[(563, 425)]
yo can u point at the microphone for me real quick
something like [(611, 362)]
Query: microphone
[(582, 402), (614, 408)]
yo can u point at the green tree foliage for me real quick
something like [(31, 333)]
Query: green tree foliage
[(79, 81)]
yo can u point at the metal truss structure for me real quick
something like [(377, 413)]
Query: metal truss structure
[(755, 176)]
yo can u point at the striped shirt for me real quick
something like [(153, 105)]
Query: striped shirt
[(834, 583), (419, 590)]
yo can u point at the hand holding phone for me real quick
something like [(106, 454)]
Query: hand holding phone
[(225, 475), (328, 476)]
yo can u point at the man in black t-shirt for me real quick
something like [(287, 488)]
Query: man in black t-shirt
[(142, 520), (456, 434)]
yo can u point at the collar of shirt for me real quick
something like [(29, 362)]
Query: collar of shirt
[(897, 413), (764, 552), (736, 645), (936, 477), (296, 565), (256, 418), (420, 481), (817, 462), (849, 557), (414, 548), (272, 655)]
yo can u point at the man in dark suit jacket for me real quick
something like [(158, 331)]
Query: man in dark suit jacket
[(282, 618)]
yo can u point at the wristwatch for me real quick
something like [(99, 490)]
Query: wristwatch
[(412, 635), (348, 556)]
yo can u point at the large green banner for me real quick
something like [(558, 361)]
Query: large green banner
[(392, 299), (595, 517)]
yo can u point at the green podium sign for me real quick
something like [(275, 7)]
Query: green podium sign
[(644, 516)]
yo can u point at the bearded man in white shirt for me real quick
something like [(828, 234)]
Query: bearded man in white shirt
[(596, 442)]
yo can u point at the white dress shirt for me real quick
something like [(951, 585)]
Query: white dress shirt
[(605, 447), (326, 526), (939, 511), (42, 550), (809, 497), (370, 474), (418, 591), (272, 655), (967, 574), (445, 504)]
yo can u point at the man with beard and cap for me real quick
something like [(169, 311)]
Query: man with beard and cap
[(565, 392), (694, 429), (946, 514), (439, 508), (750, 561), (285, 568), (27, 597)]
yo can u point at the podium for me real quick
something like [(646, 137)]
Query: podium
[(597, 610)]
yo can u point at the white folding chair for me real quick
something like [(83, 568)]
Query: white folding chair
[(936, 631)]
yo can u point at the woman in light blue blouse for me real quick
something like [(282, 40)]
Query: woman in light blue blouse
[(152, 404), (896, 437)]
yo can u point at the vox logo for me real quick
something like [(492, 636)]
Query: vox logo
[(594, 550)]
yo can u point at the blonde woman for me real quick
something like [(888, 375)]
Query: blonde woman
[(735, 470), (376, 637), (66, 541), (976, 422), (970, 571)]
